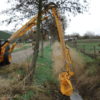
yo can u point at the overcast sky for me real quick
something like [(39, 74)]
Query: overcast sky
[(82, 23), (89, 21)]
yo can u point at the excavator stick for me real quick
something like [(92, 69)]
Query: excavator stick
[(64, 77)]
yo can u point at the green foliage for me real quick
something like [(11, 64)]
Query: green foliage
[(4, 35)]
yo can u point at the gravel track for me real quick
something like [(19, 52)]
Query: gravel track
[(21, 56)]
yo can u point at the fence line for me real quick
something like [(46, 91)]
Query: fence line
[(92, 52)]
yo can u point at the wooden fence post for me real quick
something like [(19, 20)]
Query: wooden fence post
[(94, 51)]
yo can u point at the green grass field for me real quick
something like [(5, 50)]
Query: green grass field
[(44, 71), (25, 46), (87, 45)]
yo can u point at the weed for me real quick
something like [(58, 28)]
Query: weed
[(20, 71)]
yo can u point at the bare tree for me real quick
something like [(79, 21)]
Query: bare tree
[(89, 34), (36, 48), (29, 8)]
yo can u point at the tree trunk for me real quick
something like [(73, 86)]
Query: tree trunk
[(36, 47), (42, 44)]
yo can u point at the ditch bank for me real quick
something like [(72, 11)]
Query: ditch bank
[(87, 75), (58, 65)]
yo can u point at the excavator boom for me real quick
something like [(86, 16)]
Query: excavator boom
[(5, 54), (25, 28)]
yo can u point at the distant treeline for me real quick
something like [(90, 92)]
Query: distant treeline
[(4, 35)]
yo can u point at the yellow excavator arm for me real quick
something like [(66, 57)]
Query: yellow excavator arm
[(25, 28), (65, 83)]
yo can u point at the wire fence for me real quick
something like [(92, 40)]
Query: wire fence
[(90, 49)]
